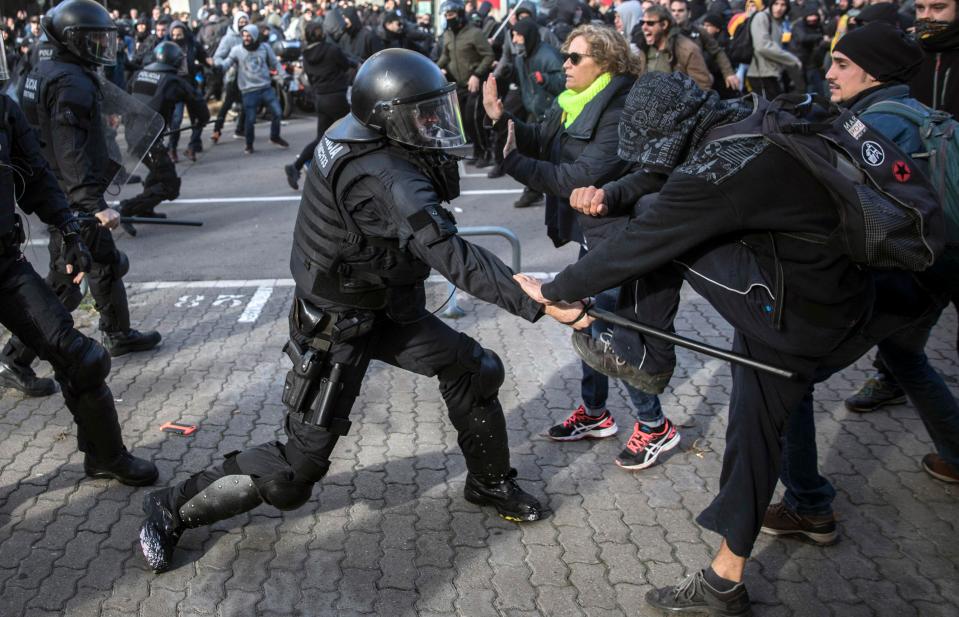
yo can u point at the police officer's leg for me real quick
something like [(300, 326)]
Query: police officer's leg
[(30, 310), (470, 377), (280, 474), (156, 186)]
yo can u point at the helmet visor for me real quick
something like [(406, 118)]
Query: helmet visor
[(433, 123), (99, 46)]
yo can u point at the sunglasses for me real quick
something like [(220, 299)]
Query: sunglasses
[(651, 22), (575, 58)]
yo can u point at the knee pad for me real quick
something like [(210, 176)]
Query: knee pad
[(490, 375), (85, 361), (284, 492)]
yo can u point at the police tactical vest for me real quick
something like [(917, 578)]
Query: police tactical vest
[(155, 90), (332, 258)]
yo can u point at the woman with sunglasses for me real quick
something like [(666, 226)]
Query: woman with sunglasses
[(576, 146)]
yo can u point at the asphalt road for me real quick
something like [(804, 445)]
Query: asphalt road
[(251, 239)]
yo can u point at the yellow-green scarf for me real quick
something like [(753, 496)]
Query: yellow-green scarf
[(572, 103)]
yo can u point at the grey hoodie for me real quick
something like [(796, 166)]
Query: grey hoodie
[(253, 67), (630, 13)]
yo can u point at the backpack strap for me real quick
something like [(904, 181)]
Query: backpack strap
[(897, 109)]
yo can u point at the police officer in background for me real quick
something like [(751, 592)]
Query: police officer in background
[(61, 100), (161, 88), (369, 228), (31, 311)]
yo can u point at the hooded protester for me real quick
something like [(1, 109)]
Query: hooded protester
[(328, 70), (539, 69), (358, 40), (194, 59), (231, 39), (810, 43), (629, 14), (770, 60), (936, 83), (732, 215), (254, 61)]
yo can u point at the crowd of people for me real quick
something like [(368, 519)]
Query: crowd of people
[(643, 126)]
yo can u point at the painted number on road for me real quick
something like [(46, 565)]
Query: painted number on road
[(188, 301), (229, 300)]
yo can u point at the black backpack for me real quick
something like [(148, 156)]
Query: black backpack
[(890, 215), (741, 45)]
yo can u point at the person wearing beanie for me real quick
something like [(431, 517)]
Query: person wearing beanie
[(871, 64), (936, 83)]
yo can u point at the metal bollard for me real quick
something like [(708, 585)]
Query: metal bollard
[(453, 310)]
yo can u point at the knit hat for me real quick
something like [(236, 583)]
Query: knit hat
[(715, 20), (882, 51)]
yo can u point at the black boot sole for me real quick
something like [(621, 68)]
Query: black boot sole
[(37, 393), (116, 352), (151, 540), (480, 499), (110, 475)]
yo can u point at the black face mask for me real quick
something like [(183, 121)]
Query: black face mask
[(252, 46), (443, 171), (454, 24), (142, 36)]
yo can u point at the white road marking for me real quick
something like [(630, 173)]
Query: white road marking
[(261, 283), (463, 173), (255, 305)]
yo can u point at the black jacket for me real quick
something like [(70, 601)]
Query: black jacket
[(555, 160), (34, 184), (61, 99), (328, 67), (741, 198), (358, 40), (936, 83)]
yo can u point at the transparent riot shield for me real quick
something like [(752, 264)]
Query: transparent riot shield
[(131, 128)]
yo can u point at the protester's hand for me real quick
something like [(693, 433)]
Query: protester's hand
[(589, 200), (108, 218), (531, 287), (732, 82), (473, 85), (510, 139), (209, 61), (570, 314), (491, 101)]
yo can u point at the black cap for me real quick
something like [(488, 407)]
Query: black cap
[(881, 50)]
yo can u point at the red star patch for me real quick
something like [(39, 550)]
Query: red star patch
[(901, 171)]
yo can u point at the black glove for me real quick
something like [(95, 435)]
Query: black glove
[(72, 250)]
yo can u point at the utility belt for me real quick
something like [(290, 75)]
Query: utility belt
[(10, 242), (314, 384)]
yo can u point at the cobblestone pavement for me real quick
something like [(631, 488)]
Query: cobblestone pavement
[(388, 531)]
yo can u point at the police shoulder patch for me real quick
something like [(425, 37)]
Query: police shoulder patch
[(328, 152)]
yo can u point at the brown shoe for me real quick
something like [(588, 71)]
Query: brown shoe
[(939, 469), (781, 521), (215, 137)]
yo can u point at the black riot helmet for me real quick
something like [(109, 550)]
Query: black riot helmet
[(402, 94), (85, 29), (167, 56), (453, 6)]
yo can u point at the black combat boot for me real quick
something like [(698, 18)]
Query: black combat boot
[(160, 531), (122, 343), (23, 379), (125, 468), (167, 515), (511, 502)]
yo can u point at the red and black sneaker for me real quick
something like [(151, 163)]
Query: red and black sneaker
[(580, 426), (646, 444)]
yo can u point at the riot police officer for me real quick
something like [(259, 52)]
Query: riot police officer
[(160, 86), (60, 99), (369, 228), (31, 311)]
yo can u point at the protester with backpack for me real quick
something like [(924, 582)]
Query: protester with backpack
[(884, 103), (754, 231), (769, 59)]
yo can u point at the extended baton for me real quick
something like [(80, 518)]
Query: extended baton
[(189, 127), (141, 220), (505, 21), (702, 348)]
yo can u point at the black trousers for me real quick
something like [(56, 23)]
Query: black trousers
[(427, 347), (231, 98), (474, 119), (161, 184), (766, 87), (729, 277), (330, 107), (106, 286), (34, 315)]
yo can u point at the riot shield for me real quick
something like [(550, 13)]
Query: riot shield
[(130, 127)]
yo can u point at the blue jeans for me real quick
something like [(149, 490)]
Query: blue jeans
[(251, 103), (807, 492), (594, 386)]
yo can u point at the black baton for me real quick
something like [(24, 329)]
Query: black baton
[(146, 220), (681, 341)]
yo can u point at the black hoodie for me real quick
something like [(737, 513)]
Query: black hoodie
[(359, 41)]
